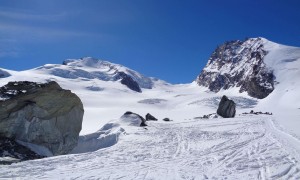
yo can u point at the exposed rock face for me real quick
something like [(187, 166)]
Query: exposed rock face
[(3, 74), (12, 149), (149, 117), (226, 108), (128, 81), (239, 64), (42, 114), (133, 119)]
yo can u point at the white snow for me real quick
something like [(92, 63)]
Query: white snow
[(240, 148), (90, 68), (284, 101), (244, 147), (107, 136)]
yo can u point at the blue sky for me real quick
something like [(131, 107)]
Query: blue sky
[(168, 39)]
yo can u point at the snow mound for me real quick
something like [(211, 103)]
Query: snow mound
[(107, 136)]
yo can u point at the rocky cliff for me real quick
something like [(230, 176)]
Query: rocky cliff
[(239, 64)]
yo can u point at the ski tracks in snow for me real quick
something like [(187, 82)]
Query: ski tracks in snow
[(239, 148)]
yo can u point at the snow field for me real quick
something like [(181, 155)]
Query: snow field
[(239, 148)]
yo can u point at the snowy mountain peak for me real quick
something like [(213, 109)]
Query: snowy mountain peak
[(239, 64), (91, 68), (92, 63)]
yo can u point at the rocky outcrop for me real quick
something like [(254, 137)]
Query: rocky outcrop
[(4, 74), (149, 117), (239, 64), (133, 119), (41, 114), (128, 81), (226, 108), (11, 151)]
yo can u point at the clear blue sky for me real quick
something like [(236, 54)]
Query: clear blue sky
[(168, 39)]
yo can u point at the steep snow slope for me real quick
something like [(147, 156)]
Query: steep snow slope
[(285, 63), (284, 101)]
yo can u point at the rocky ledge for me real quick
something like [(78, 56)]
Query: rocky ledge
[(239, 64)]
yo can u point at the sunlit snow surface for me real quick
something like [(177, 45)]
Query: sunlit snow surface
[(245, 147)]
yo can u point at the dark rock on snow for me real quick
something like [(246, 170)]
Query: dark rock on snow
[(208, 116), (149, 117), (166, 119), (226, 108), (128, 81), (129, 114), (258, 113), (4, 74), (15, 152), (41, 114)]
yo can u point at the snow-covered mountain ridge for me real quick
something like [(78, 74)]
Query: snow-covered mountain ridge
[(247, 65), (91, 68)]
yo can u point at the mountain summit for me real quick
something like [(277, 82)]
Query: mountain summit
[(91, 68), (247, 65)]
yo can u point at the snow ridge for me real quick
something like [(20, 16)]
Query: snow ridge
[(91, 68)]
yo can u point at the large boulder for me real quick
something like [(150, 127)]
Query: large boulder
[(149, 117), (41, 114), (166, 119), (226, 108), (133, 119)]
